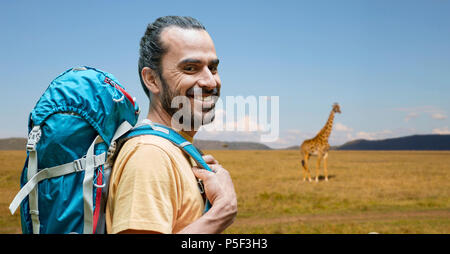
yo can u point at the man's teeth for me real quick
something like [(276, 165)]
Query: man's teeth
[(205, 99)]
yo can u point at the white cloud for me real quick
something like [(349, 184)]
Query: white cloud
[(411, 115), (374, 135), (365, 135), (295, 137), (287, 138), (247, 124), (294, 131), (342, 127), (444, 130), (244, 124), (414, 112), (438, 116), (245, 129)]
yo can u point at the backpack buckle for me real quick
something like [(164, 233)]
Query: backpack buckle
[(77, 165), (33, 138), (111, 149), (200, 186)]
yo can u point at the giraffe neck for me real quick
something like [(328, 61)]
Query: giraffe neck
[(324, 134)]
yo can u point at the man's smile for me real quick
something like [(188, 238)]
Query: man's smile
[(203, 97)]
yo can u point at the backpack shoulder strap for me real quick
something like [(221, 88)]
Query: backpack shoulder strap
[(150, 128)]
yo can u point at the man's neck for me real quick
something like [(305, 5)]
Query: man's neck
[(157, 115)]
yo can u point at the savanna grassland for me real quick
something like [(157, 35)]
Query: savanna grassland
[(368, 191)]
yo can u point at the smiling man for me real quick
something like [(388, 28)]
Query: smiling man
[(154, 186)]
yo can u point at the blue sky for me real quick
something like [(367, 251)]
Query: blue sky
[(386, 62)]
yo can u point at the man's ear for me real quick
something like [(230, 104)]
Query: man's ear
[(149, 77)]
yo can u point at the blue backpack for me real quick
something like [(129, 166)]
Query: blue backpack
[(73, 132)]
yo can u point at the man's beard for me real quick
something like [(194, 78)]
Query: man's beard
[(166, 97), (202, 117)]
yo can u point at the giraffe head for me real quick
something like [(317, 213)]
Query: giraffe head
[(336, 108)]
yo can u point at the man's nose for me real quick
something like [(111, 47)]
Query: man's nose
[(207, 80)]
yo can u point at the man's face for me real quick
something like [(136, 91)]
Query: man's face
[(189, 66)]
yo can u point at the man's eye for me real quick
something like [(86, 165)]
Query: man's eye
[(213, 69), (189, 68)]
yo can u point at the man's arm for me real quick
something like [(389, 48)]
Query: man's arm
[(220, 192)]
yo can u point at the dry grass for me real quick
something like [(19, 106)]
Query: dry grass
[(385, 192), (11, 164), (388, 192)]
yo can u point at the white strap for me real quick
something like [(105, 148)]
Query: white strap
[(156, 128), (123, 128), (161, 129), (145, 121), (99, 159), (32, 169), (186, 143), (89, 163), (64, 169), (33, 196), (88, 189)]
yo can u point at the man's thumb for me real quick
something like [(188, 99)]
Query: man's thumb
[(200, 173)]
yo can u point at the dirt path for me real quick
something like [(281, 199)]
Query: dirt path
[(359, 217)]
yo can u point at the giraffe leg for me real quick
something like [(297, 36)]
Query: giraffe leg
[(318, 167), (325, 161), (305, 168)]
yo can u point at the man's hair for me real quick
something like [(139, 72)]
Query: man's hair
[(151, 48)]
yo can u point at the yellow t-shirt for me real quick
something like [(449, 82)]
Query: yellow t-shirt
[(152, 187)]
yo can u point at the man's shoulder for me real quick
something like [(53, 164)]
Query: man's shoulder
[(150, 141), (149, 149)]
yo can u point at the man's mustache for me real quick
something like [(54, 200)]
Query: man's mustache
[(196, 90)]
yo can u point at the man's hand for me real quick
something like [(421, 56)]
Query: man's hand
[(220, 192), (218, 185)]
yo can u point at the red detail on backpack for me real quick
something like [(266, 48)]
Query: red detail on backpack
[(98, 198), (114, 84)]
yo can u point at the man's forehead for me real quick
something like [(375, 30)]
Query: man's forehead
[(179, 40)]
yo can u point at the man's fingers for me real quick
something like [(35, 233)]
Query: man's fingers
[(209, 159), (201, 173), (214, 169)]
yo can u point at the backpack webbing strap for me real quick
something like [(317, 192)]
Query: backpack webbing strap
[(33, 138), (88, 189), (123, 128), (64, 169), (87, 163), (99, 218)]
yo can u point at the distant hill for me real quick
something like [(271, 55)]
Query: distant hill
[(222, 145), (415, 142), (20, 143), (291, 148), (298, 148), (13, 144)]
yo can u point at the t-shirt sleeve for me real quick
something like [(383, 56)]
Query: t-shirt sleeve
[(147, 195)]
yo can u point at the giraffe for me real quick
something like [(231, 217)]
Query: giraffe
[(318, 146)]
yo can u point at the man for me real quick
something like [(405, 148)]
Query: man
[(154, 186)]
